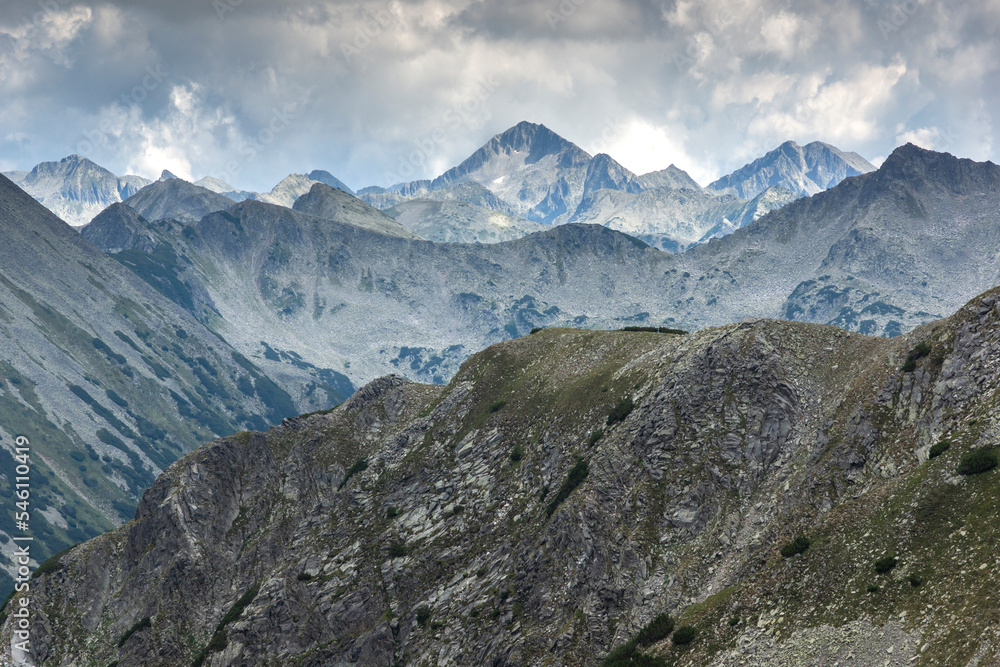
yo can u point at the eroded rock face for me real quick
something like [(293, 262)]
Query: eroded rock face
[(428, 525)]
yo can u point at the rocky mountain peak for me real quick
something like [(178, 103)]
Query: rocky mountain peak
[(805, 170), (916, 167), (603, 172)]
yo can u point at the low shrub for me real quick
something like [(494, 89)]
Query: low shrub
[(656, 630), (684, 635), (976, 462), (594, 437), (919, 352), (391, 513), (883, 565), (734, 621), (138, 627), (628, 655), (517, 453), (872, 588), (915, 580), (796, 546), (622, 410), (359, 466), (576, 475), (423, 615), (497, 406), (939, 449), (304, 576), (397, 549)]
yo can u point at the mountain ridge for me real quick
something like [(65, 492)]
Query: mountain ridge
[(417, 523)]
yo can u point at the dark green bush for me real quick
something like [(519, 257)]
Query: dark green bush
[(628, 655), (594, 437), (883, 565), (666, 330), (622, 410), (141, 625), (796, 546), (391, 513), (359, 466), (423, 615), (976, 462), (656, 630), (919, 352), (481, 572), (915, 580), (219, 640), (734, 621), (304, 576), (684, 635), (517, 453), (939, 449), (397, 549), (576, 475), (497, 406), (872, 588), (535, 330)]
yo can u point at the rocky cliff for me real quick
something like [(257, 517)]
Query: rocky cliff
[(563, 490)]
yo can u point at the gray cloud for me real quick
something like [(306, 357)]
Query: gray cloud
[(251, 90)]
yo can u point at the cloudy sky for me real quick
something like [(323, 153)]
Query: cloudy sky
[(377, 92)]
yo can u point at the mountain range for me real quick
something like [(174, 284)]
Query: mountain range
[(878, 253), (766, 493), (539, 176), (529, 174)]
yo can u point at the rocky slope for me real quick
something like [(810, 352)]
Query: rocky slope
[(805, 170), (460, 222), (879, 253), (110, 380), (76, 189), (176, 198), (563, 490), (324, 201)]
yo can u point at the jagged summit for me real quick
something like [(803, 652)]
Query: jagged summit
[(326, 178), (168, 175), (76, 188), (805, 170), (178, 199), (331, 203)]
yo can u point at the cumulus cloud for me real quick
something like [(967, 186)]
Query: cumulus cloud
[(369, 89)]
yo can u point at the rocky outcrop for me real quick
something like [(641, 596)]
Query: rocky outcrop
[(438, 525)]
